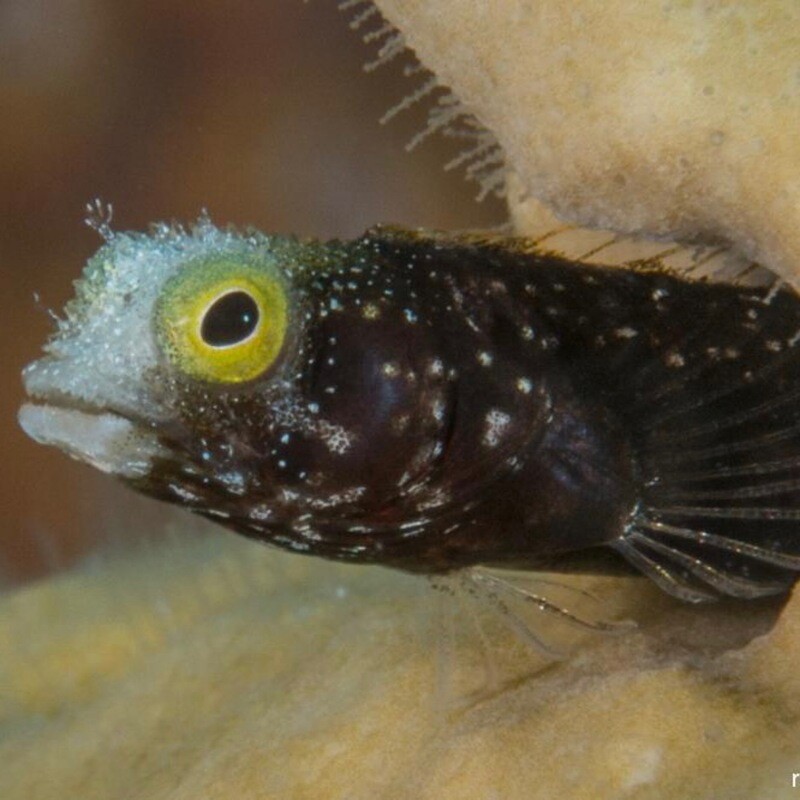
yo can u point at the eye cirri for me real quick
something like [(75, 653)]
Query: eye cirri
[(222, 322)]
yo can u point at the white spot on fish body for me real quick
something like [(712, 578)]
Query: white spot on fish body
[(260, 513), (497, 423), (626, 333), (400, 423), (289, 495), (184, 494), (524, 385), (234, 482), (674, 359), (338, 441), (436, 367)]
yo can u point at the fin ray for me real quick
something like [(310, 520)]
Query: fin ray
[(664, 577), (756, 513), (749, 470), (774, 488), (545, 606), (725, 448), (726, 544), (721, 581), (738, 418)]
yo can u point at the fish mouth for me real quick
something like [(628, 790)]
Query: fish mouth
[(107, 439)]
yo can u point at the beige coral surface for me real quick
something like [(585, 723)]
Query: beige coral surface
[(211, 667), (675, 118)]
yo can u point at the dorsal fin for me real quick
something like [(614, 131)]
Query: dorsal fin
[(707, 260), (698, 262)]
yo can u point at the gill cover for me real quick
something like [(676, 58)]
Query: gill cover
[(223, 319)]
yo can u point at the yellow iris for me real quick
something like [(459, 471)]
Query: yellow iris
[(222, 321)]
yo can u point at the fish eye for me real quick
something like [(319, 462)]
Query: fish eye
[(223, 321), (230, 319)]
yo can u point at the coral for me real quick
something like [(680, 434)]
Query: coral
[(212, 667), (673, 119)]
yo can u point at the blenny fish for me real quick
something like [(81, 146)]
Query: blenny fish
[(431, 402)]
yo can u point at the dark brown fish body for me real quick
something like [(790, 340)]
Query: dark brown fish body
[(439, 403)]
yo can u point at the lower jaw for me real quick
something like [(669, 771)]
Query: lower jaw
[(105, 440)]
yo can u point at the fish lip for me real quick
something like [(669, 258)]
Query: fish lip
[(58, 401), (104, 439), (111, 438), (53, 397)]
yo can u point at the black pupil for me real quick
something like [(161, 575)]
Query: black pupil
[(229, 320)]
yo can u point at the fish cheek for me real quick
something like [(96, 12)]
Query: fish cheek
[(373, 383)]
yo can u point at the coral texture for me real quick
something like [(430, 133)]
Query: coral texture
[(212, 667), (676, 119)]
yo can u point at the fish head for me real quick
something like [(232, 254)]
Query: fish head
[(272, 384), (167, 331)]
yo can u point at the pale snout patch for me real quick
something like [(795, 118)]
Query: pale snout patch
[(107, 441)]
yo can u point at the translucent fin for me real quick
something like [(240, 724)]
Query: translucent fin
[(738, 418), (484, 578), (773, 489), (614, 249), (750, 470), (753, 513), (723, 582), (714, 541), (471, 609), (519, 608), (666, 576), (494, 599), (750, 446)]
